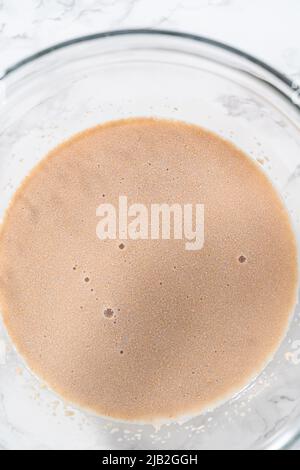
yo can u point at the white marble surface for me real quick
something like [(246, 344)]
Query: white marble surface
[(268, 29)]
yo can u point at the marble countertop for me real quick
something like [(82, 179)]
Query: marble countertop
[(268, 29)]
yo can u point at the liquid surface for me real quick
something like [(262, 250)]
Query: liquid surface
[(140, 329)]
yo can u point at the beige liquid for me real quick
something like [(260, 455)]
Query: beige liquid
[(147, 330)]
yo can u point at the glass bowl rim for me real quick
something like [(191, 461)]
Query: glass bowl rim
[(282, 77)]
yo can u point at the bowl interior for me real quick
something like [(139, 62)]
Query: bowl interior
[(128, 75)]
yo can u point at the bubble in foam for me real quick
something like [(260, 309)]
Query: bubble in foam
[(108, 313)]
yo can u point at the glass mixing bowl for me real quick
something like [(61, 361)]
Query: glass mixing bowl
[(75, 85)]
